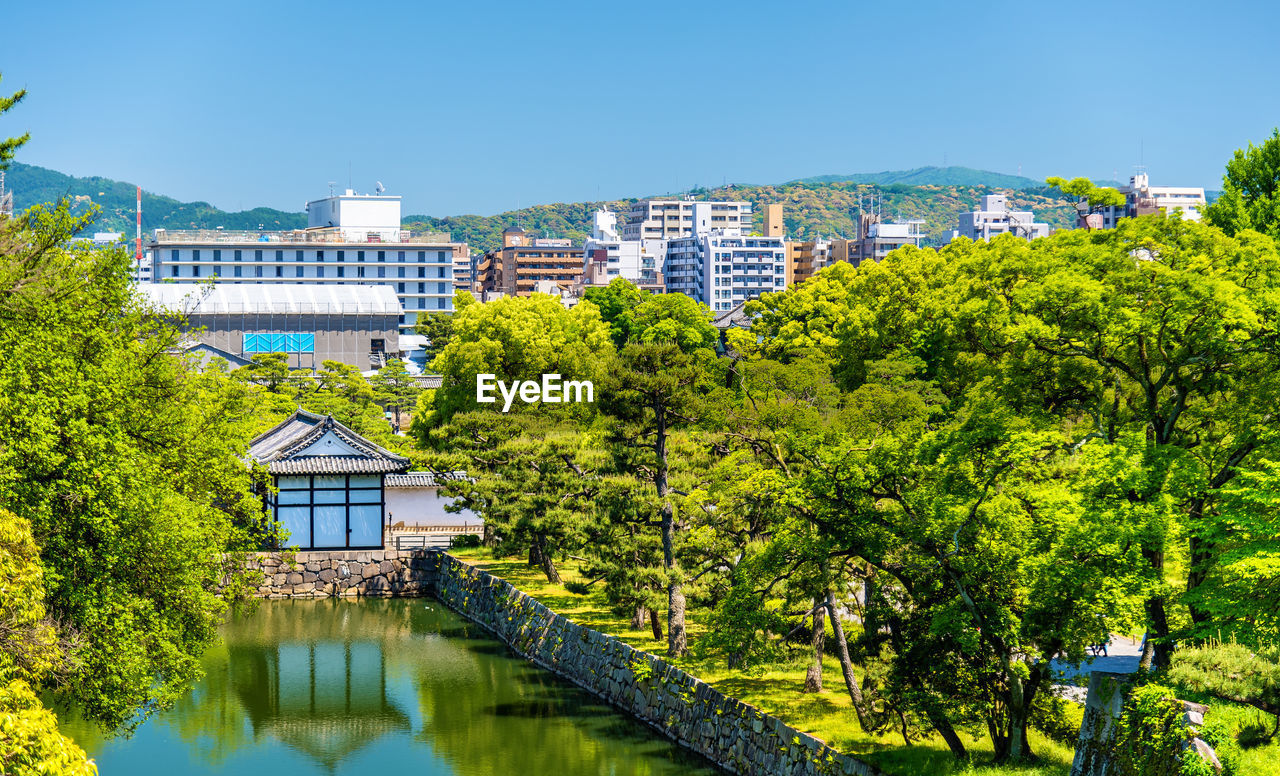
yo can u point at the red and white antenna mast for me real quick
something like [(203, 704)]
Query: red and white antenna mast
[(138, 237)]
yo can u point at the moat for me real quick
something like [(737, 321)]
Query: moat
[(380, 685)]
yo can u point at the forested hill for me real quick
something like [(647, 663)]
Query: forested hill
[(813, 207), (33, 185)]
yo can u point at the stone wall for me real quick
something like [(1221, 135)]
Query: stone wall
[(736, 736), (326, 573), (1103, 707)]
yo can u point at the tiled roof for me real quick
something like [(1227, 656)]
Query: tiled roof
[(421, 479), (284, 449), (429, 381), (735, 318)]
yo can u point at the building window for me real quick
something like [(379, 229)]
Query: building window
[(279, 342), (440, 255), (237, 273), (401, 274), (297, 255), (399, 288), (257, 255), (257, 272), (401, 256), (382, 255), (195, 255), (238, 257), (440, 303), (195, 270), (422, 255), (422, 302), (359, 272), (422, 288), (359, 255), (342, 255), (422, 272), (319, 271), (319, 255), (279, 255), (341, 272), (175, 269), (382, 272), (440, 288), (279, 272), (298, 271), (217, 255), (173, 255)]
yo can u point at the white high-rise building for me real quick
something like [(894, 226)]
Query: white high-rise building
[(653, 219), (723, 267), (351, 239), (1141, 198), (607, 256), (994, 217)]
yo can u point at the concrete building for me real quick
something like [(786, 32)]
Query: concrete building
[(607, 256), (773, 223), (516, 267), (666, 219), (351, 239), (805, 257), (993, 217), (1141, 198), (876, 239), (464, 270), (723, 268), (357, 325)]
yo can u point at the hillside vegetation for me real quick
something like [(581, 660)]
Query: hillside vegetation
[(815, 206)]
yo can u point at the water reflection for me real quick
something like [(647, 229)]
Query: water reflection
[(343, 686)]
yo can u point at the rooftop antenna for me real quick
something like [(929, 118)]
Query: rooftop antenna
[(331, 185), (379, 188), (349, 173)]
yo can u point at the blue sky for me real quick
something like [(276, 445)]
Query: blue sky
[(482, 106)]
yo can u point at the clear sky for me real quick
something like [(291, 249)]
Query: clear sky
[(480, 106)]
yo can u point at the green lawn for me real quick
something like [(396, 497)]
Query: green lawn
[(827, 715)]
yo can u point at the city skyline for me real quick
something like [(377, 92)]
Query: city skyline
[(585, 102)]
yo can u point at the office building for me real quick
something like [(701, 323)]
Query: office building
[(723, 268), (666, 219), (994, 217), (516, 267), (1141, 198), (350, 239), (309, 323)]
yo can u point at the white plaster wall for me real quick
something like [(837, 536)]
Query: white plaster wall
[(423, 506)]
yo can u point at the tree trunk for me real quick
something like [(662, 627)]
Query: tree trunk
[(535, 557), (1156, 655), (870, 622), (813, 677), (638, 617), (547, 562), (846, 666), (655, 622), (943, 726), (677, 639)]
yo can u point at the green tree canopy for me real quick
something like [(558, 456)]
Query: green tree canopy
[(1250, 196)]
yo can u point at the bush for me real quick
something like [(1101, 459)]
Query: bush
[(1059, 719), (465, 541)]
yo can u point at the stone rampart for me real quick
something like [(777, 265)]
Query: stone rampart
[(330, 573), (736, 736)]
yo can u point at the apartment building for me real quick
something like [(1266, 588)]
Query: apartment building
[(805, 257), (464, 270), (1141, 198), (522, 261), (994, 217), (350, 239), (667, 219), (607, 256), (773, 222), (724, 268)]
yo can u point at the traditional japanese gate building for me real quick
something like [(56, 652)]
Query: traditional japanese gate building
[(330, 482)]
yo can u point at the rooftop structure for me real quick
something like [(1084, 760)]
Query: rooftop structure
[(358, 217), (1141, 198)]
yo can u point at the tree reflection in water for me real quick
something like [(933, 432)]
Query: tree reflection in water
[(349, 685)]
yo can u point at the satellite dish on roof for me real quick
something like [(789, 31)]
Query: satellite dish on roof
[(380, 188)]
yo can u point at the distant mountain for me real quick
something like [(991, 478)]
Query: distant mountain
[(932, 176), (826, 206), (33, 185)]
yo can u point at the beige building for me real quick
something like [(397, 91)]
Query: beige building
[(522, 261), (773, 223), (806, 257)]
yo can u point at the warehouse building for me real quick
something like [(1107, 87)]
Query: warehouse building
[(356, 325)]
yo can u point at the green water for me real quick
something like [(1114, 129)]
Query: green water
[(381, 686)]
